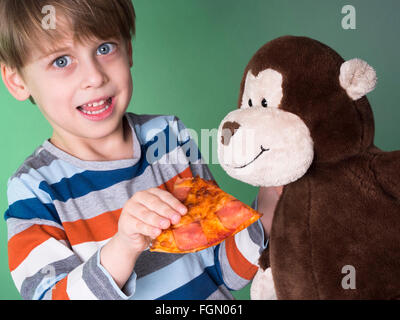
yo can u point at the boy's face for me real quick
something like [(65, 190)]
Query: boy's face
[(83, 89)]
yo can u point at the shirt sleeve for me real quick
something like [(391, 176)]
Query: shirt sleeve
[(238, 256), (41, 261)]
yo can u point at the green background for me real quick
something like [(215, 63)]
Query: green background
[(189, 56)]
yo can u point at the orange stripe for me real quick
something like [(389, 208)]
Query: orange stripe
[(60, 290), (99, 228), (21, 245), (105, 225), (238, 262)]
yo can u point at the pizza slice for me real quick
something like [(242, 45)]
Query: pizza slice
[(213, 215)]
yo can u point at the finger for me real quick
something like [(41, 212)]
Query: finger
[(279, 190), (151, 218), (132, 225), (172, 201), (148, 230), (154, 203), (138, 226)]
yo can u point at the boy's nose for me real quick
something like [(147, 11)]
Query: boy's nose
[(93, 75)]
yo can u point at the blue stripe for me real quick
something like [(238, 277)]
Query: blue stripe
[(89, 181), (85, 182), (32, 209), (45, 285), (199, 288), (218, 265), (158, 122)]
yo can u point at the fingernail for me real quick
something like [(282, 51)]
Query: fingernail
[(175, 219), (182, 210), (156, 232), (164, 224)]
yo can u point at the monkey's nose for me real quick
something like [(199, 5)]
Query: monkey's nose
[(228, 130)]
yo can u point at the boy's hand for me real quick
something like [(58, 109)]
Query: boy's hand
[(142, 219), (145, 215), (268, 198)]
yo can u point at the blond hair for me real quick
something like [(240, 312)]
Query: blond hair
[(21, 26)]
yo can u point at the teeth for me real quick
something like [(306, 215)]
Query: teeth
[(96, 104), (95, 112)]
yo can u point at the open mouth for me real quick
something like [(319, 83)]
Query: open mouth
[(98, 110), (96, 107), (259, 155)]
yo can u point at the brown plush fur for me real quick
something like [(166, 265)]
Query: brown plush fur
[(346, 209)]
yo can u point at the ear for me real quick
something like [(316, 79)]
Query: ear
[(357, 78), (14, 83)]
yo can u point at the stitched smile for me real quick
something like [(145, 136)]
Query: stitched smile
[(259, 155)]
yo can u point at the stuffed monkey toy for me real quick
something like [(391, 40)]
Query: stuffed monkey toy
[(305, 123)]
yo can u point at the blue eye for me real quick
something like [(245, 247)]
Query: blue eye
[(62, 62), (105, 49)]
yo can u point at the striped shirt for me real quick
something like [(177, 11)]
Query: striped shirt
[(62, 210)]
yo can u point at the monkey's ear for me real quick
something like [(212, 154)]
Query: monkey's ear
[(357, 77)]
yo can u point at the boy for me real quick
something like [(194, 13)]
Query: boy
[(85, 205)]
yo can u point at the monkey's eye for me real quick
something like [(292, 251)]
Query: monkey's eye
[(250, 103), (264, 103)]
